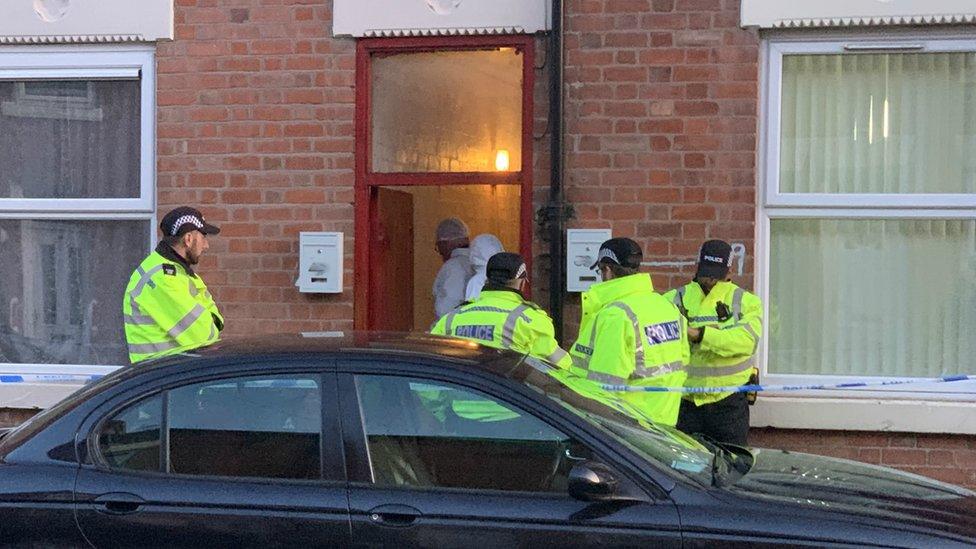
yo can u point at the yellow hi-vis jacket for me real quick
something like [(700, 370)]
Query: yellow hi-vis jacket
[(632, 336), (504, 320), (732, 318), (165, 309)]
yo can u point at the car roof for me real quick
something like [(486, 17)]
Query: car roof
[(448, 351)]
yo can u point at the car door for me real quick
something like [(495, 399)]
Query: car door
[(237, 460), (439, 463)]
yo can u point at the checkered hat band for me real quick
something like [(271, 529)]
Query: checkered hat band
[(522, 271), (607, 253), (191, 219)]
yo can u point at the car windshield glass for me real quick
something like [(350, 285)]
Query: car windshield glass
[(674, 450)]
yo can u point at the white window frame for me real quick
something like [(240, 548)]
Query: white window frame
[(918, 407), (84, 63)]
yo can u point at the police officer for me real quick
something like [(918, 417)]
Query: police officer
[(630, 335), (501, 317), (724, 326), (166, 306)]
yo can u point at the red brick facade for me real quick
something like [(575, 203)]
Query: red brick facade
[(256, 112), (256, 106)]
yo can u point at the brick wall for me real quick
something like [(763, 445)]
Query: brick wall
[(255, 125), (661, 125), (950, 458)]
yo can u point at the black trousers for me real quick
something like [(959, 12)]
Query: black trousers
[(724, 421)]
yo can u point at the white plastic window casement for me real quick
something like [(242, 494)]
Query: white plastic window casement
[(822, 187), (61, 95)]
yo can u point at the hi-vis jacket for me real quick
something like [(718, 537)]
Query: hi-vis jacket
[(632, 336), (732, 318), (504, 320), (166, 308)]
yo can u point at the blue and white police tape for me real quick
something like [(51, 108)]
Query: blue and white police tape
[(80, 379), (778, 388)]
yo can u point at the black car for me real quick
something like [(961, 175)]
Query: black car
[(409, 440)]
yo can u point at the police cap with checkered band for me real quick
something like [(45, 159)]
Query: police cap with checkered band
[(184, 219)]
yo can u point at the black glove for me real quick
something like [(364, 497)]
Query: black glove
[(723, 312)]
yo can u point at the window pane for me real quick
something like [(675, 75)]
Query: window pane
[(266, 427), (437, 434), (879, 123), (61, 289), (448, 111), (872, 297), (130, 440), (70, 139)]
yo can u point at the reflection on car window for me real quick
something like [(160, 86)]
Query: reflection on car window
[(266, 427), (130, 438), (658, 443), (431, 434)]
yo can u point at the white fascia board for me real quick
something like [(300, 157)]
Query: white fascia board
[(85, 21), (368, 18), (855, 414), (772, 14)]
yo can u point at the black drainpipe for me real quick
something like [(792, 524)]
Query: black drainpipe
[(554, 210)]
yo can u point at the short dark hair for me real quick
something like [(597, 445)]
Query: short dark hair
[(619, 270), (494, 286), (171, 240)]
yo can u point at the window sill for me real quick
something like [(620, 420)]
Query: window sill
[(31, 396), (865, 414)]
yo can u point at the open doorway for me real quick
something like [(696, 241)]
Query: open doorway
[(404, 261), (444, 129)]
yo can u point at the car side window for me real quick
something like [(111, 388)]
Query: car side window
[(130, 438), (264, 427), (422, 433)]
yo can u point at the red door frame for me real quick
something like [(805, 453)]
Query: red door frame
[(366, 179)]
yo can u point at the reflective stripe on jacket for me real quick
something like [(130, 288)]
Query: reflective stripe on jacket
[(504, 320), (166, 310), (727, 352), (630, 335)]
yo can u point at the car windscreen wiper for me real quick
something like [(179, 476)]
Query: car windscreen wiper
[(724, 461)]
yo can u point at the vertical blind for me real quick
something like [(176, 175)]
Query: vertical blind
[(878, 123), (872, 297)]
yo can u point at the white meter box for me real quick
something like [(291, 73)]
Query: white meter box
[(320, 263), (582, 248)]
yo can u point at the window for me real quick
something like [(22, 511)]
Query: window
[(432, 434), (249, 427), (252, 427), (447, 111), (76, 188), (130, 439), (869, 212)]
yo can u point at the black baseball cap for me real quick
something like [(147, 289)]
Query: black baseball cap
[(504, 267), (715, 259), (184, 219), (620, 251)]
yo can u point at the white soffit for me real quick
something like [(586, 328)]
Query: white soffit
[(85, 21), (364, 18), (771, 14)]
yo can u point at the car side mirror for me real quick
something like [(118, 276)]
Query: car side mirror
[(592, 481)]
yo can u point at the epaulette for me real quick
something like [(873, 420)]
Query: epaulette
[(534, 305)]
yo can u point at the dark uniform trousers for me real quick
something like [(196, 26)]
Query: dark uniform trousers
[(724, 421)]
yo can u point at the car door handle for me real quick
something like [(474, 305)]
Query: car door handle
[(394, 515), (118, 503)]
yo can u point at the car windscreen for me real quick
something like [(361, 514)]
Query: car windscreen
[(661, 444)]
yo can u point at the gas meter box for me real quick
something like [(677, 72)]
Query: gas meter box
[(320, 263), (582, 249)]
